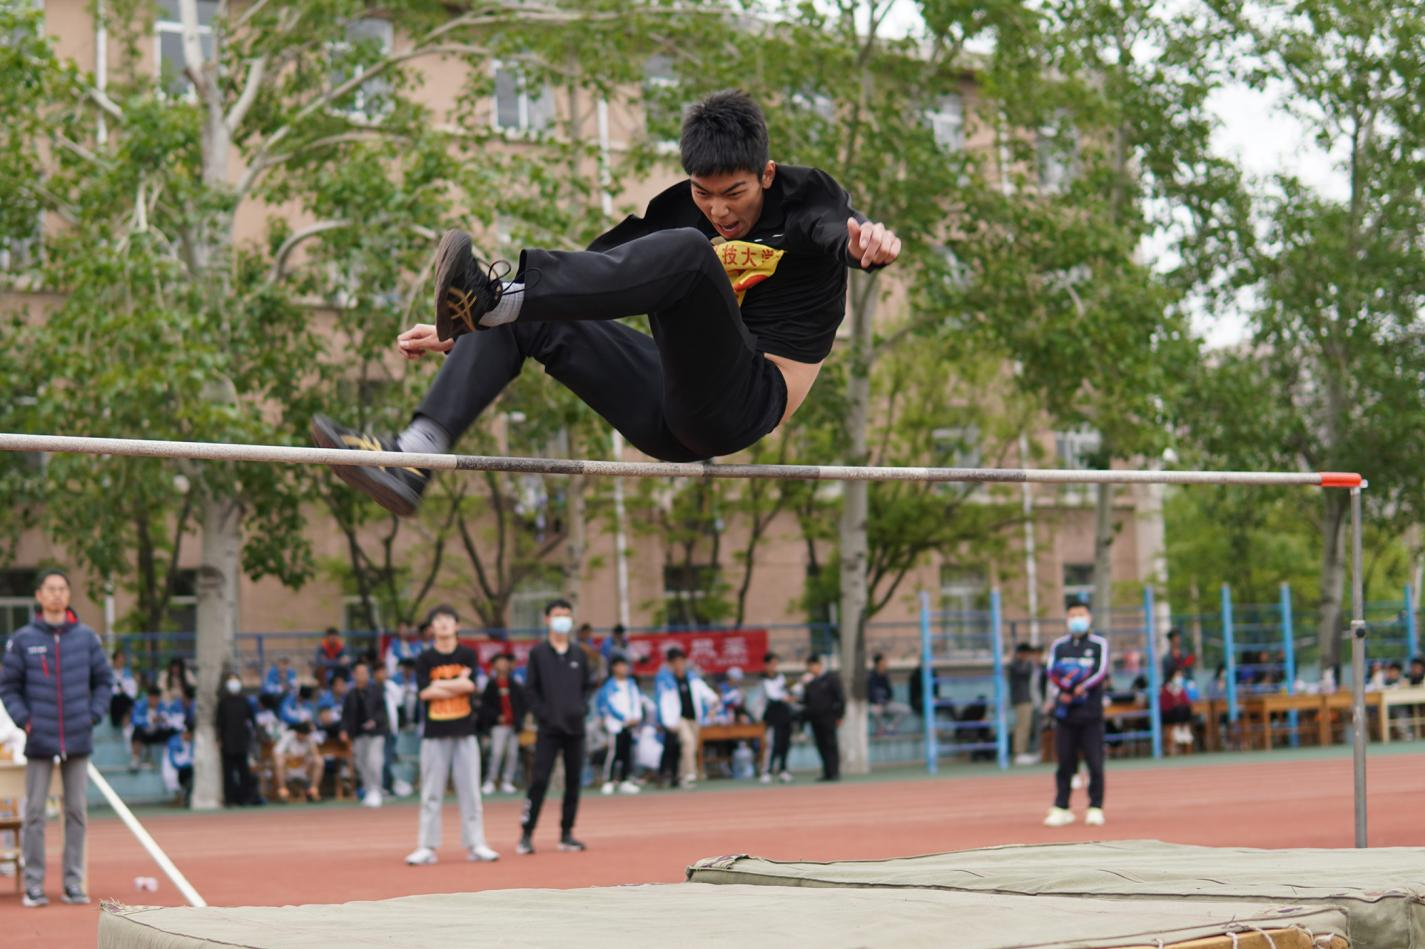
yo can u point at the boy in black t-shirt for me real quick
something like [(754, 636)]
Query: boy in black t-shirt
[(445, 675), (741, 270)]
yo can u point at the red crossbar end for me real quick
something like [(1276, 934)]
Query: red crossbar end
[(1340, 479)]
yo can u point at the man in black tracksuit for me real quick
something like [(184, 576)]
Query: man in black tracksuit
[(1078, 669), (741, 269), (558, 680), (825, 704)]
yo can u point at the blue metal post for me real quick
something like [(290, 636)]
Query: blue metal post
[(1001, 711), (1230, 649), (927, 690), (1289, 658), (1412, 630), (1155, 673)]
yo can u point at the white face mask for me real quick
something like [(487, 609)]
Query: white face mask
[(234, 686), (563, 625)]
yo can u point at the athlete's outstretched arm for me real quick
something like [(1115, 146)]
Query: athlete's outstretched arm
[(873, 244)]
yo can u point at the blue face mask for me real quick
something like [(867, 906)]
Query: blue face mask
[(1078, 625)]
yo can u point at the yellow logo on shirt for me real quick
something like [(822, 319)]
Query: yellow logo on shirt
[(747, 264)]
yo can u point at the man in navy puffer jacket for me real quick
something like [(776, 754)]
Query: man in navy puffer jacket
[(55, 682)]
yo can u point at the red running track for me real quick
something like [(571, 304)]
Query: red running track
[(329, 854)]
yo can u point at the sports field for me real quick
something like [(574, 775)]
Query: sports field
[(333, 853)]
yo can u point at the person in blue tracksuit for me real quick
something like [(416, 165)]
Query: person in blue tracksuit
[(281, 678), (56, 682), (1078, 669), (620, 708)]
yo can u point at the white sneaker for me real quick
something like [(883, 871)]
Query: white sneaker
[(422, 857), (372, 799), (402, 788), (786, 777), (507, 788), (1059, 817), (628, 787), (608, 787), (688, 782), (1078, 781), (487, 788), (1094, 817), (766, 778), (1026, 758), (483, 854)]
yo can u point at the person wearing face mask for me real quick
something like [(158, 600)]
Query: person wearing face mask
[(558, 680), (237, 723), (1078, 668)]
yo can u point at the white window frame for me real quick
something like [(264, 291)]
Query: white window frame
[(175, 27), (1056, 151), (1072, 447), (947, 122), (359, 110), (523, 102)]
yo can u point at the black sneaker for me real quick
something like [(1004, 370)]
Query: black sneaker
[(567, 842), (34, 897), (526, 845), (465, 288), (75, 896), (398, 490)]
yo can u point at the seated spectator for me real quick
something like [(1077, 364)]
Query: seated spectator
[(734, 701), (236, 726), (126, 692), (881, 698), (1175, 709), (331, 660), (178, 711), (150, 727), (268, 722), (407, 644), (329, 705), (1417, 671), (502, 712), (178, 680), (1176, 659), (178, 765), (298, 758), (974, 729), (298, 707), (281, 678), (617, 644)]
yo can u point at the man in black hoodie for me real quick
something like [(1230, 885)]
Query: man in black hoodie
[(741, 269), (825, 704), (558, 680), (237, 723)]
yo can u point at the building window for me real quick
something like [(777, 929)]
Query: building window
[(23, 251), (353, 614), (183, 605), (947, 122), (1077, 449), (963, 590), (662, 105), (517, 107), (526, 611), (957, 446), (1057, 149), (1078, 583), (17, 598), (684, 586), (366, 39), (168, 42)]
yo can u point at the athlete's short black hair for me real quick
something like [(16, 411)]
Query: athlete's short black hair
[(559, 603), (724, 133)]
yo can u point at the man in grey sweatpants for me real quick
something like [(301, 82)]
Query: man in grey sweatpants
[(55, 682), (445, 675)]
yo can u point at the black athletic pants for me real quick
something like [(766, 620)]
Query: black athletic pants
[(697, 388), (620, 761), (237, 780), (778, 719), (548, 746), (823, 729), (1073, 739)]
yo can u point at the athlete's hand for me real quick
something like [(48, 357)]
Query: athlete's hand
[(871, 243), (421, 339)]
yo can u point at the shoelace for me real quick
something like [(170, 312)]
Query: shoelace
[(489, 288)]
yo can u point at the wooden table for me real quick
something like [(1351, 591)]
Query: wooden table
[(1401, 695), (1339, 703), (1259, 709), (744, 731)]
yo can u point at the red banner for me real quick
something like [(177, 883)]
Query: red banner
[(710, 652)]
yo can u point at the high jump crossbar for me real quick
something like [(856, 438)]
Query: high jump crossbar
[(297, 455)]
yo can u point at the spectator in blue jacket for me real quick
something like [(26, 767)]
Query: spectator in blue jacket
[(620, 707), (298, 707), (281, 678), (56, 683)]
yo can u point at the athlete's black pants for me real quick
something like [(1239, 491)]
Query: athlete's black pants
[(778, 719), (823, 729), (697, 388), (548, 747), (1072, 740)]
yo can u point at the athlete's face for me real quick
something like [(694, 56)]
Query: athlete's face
[(733, 201)]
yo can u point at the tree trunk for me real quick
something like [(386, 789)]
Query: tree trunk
[(855, 509), (1333, 577), (1103, 557), (218, 576)]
